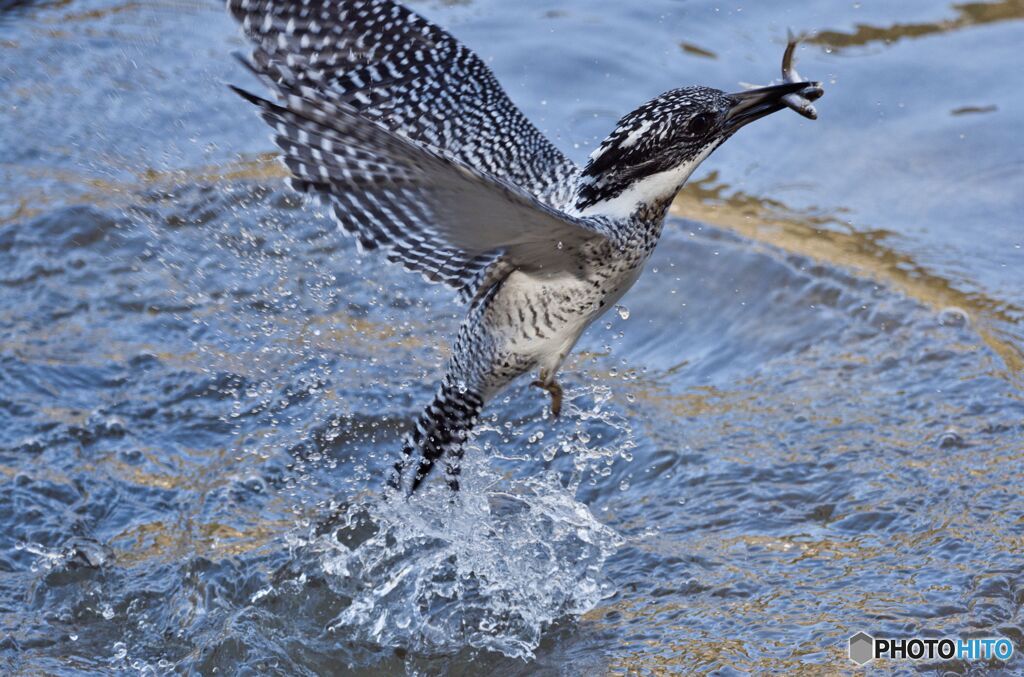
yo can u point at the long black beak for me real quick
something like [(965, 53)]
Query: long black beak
[(754, 104)]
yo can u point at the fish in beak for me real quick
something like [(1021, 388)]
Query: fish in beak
[(793, 93)]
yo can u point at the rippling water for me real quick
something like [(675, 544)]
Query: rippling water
[(806, 419)]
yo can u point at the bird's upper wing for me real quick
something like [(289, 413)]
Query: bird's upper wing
[(400, 70), (430, 210)]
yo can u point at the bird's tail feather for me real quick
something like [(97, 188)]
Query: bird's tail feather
[(440, 433)]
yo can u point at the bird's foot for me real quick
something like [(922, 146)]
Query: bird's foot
[(555, 391)]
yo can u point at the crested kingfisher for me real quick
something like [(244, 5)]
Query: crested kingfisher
[(409, 139)]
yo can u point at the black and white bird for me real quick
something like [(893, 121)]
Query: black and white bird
[(411, 141)]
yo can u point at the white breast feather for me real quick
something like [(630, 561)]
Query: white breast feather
[(648, 190)]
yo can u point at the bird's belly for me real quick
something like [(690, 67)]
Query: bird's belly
[(539, 319)]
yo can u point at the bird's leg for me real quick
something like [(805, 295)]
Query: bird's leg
[(553, 389)]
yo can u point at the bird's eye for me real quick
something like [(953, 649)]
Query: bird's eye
[(700, 124)]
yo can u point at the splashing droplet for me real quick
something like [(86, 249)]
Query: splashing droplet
[(430, 574), (953, 317)]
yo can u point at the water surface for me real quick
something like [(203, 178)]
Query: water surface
[(805, 421)]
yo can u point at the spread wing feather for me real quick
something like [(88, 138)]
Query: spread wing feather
[(391, 66), (400, 70), (430, 211)]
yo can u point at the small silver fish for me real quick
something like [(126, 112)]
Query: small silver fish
[(800, 101)]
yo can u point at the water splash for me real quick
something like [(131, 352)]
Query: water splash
[(490, 569)]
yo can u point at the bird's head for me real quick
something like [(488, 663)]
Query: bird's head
[(652, 151)]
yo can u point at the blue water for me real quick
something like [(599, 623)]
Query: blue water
[(806, 420)]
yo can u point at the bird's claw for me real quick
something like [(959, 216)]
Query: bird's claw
[(555, 391)]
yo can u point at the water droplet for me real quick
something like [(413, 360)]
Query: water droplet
[(623, 312), (951, 439), (953, 317)]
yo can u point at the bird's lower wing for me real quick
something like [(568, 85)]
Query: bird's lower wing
[(400, 70), (431, 212)]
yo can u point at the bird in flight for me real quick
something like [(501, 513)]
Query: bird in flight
[(409, 139)]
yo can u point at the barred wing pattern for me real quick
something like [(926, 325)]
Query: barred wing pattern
[(398, 69), (414, 198)]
